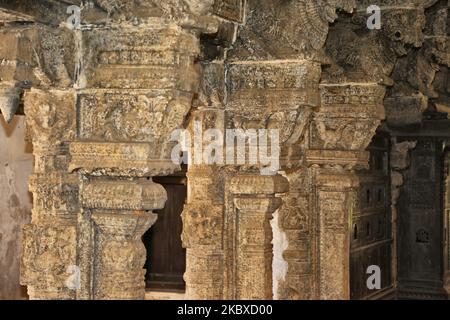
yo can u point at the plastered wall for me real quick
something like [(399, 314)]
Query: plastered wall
[(15, 203)]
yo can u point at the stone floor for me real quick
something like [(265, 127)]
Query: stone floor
[(160, 295)]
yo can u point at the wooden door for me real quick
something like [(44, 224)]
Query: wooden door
[(166, 258), (420, 223), (371, 225)]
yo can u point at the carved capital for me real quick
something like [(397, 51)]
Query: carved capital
[(51, 119), (117, 159), (123, 195), (252, 184), (345, 124)]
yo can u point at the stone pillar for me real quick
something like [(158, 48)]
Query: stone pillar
[(50, 241), (203, 234), (133, 99), (255, 199), (121, 213), (338, 138), (297, 223), (399, 161), (97, 146), (335, 194), (203, 215)]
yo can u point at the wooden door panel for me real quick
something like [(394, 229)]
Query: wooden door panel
[(420, 222), (371, 225), (166, 258)]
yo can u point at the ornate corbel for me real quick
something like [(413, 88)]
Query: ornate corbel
[(9, 101), (420, 75)]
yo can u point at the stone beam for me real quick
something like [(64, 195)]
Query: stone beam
[(50, 12)]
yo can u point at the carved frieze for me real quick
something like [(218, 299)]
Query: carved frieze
[(55, 194), (155, 57), (51, 118), (263, 87), (202, 225), (48, 252), (133, 116)]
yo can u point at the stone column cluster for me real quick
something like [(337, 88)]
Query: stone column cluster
[(97, 145), (103, 100)]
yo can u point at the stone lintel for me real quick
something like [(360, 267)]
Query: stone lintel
[(350, 159)]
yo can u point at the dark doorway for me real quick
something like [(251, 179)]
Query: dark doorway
[(420, 223), (166, 258)]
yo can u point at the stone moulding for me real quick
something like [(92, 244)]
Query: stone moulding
[(117, 159), (123, 195), (255, 184), (159, 57), (277, 84), (345, 159)]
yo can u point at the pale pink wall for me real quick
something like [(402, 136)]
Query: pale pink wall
[(16, 163)]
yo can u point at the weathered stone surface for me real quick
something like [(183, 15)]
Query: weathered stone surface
[(93, 142), (123, 196), (103, 98)]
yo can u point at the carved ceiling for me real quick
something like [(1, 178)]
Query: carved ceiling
[(409, 55)]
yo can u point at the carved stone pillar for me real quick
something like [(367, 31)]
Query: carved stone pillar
[(120, 213), (342, 129), (50, 240), (97, 147), (297, 222), (203, 234), (132, 100), (335, 195), (255, 198)]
